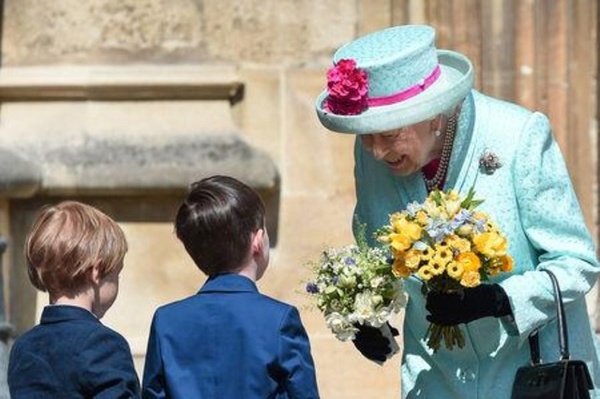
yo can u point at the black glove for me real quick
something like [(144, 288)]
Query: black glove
[(485, 300), (371, 343)]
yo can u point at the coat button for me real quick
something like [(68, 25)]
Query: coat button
[(465, 375)]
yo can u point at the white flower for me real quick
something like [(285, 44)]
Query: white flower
[(380, 317), (347, 281), (363, 307), (376, 282), (341, 327), (376, 300)]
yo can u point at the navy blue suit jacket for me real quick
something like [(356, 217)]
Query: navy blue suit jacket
[(228, 342), (70, 355)]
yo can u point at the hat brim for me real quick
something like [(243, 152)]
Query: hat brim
[(453, 84)]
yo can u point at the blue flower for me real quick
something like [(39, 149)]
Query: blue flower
[(413, 208), (462, 217), (349, 261), (438, 230), (312, 288), (479, 225)]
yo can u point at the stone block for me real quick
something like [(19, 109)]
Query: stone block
[(260, 112), (101, 31), (317, 160), (37, 32)]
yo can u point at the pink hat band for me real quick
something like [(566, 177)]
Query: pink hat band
[(408, 93)]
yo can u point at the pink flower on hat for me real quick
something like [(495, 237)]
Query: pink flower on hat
[(347, 87)]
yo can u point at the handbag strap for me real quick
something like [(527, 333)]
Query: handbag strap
[(534, 347), (563, 338)]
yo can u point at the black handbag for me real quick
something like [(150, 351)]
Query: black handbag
[(564, 379)]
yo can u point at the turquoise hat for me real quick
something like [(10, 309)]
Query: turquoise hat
[(392, 78)]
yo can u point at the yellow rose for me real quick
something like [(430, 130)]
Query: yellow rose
[(459, 244), (395, 218), (413, 230), (490, 244), (478, 215), (400, 242), (399, 268), (412, 258), (470, 279), (465, 230), (421, 218), (491, 226), (408, 228), (469, 261), (507, 263)]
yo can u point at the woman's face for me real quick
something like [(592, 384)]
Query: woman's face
[(405, 150)]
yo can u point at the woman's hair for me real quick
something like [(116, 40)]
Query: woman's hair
[(216, 221), (67, 241)]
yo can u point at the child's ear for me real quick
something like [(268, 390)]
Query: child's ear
[(95, 272), (258, 242)]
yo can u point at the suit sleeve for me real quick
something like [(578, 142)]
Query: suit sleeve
[(108, 367), (153, 385), (553, 223), (296, 359)]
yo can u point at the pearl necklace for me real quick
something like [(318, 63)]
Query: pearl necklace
[(440, 173)]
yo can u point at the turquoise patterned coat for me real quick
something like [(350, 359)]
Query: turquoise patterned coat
[(532, 200)]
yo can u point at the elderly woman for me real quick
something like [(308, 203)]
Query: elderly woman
[(420, 125)]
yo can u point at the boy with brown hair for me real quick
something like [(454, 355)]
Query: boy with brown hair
[(228, 341), (75, 253)]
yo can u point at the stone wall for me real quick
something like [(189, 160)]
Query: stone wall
[(280, 49)]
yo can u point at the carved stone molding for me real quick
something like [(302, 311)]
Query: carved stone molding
[(120, 83)]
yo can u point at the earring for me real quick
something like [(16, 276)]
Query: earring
[(435, 124)]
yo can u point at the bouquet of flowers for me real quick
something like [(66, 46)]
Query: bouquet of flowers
[(355, 285), (448, 245)]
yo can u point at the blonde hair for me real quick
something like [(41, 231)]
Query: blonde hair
[(67, 241)]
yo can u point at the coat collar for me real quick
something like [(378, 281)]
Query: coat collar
[(461, 173), (61, 313), (228, 283)]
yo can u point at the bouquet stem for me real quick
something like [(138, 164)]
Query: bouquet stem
[(451, 336)]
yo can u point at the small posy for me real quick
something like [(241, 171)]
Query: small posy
[(355, 285)]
